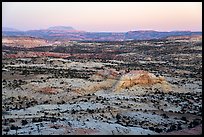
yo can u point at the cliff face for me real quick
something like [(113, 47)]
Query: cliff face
[(142, 79)]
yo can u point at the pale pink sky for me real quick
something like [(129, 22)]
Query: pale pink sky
[(104, 16)]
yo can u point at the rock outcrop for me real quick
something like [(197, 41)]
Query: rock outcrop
[(96, 86), (133, 80), (141, 78)]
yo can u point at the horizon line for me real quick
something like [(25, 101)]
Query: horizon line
[(105, 31)]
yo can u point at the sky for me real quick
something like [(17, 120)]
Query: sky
[(104, 16)]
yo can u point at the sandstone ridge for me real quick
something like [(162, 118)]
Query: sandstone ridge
[(134, 81)]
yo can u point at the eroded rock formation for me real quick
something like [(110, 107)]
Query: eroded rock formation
[(142, 78), (138, 79)]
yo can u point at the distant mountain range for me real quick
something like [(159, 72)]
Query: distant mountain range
[(69, 33), (61, 28)]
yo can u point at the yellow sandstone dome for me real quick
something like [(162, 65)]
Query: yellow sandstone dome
[(141, 78)]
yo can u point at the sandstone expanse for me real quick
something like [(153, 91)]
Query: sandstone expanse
[(102, 88)]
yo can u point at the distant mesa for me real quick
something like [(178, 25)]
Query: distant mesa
[(70, 33), (61, 28), (142, 31)]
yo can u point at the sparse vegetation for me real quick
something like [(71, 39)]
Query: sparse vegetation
[(75, 82)]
